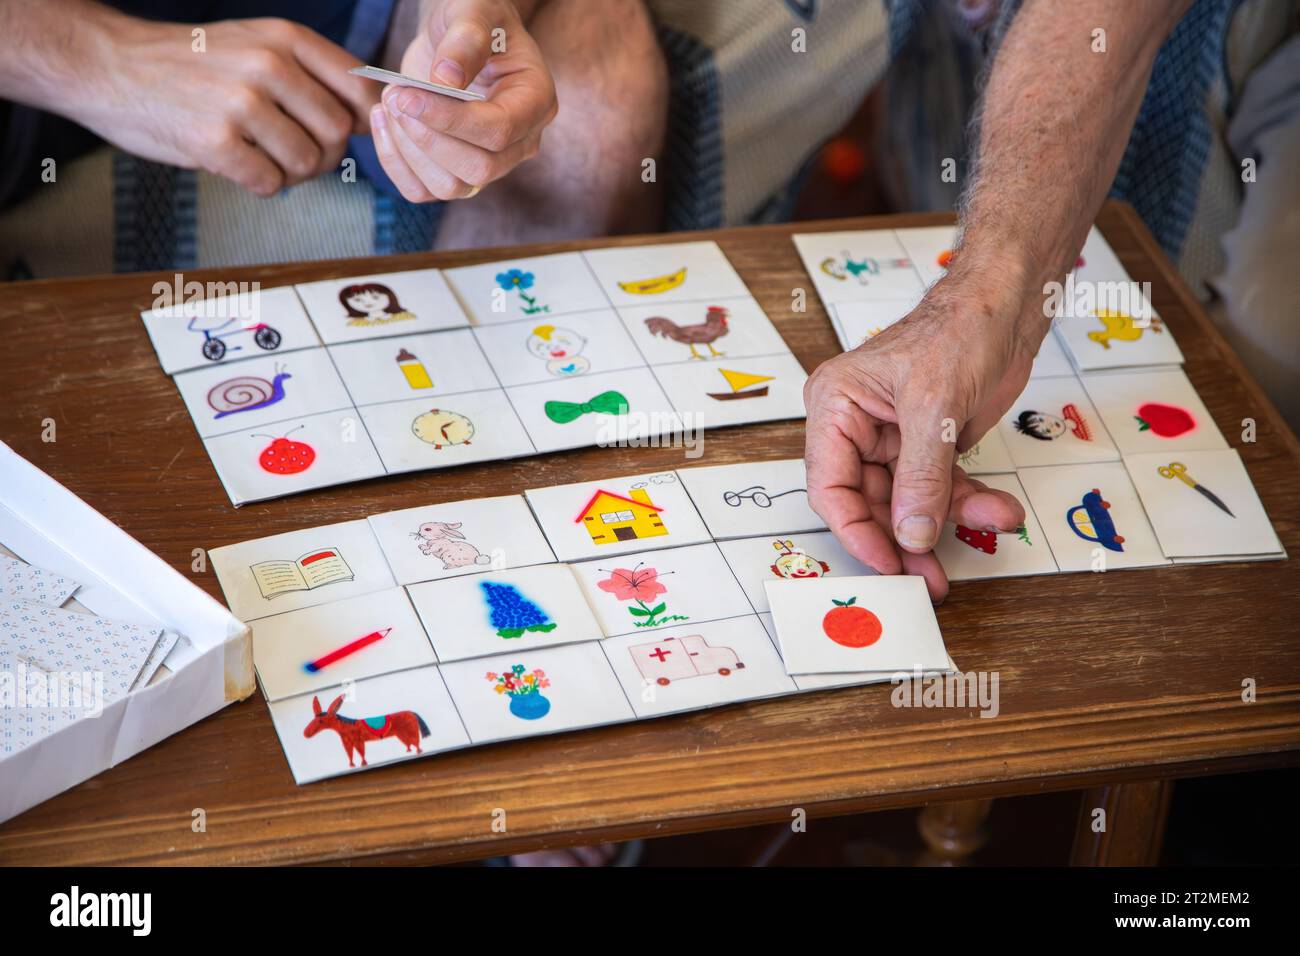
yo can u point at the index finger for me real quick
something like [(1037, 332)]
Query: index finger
[(518, 105), (329, 64)]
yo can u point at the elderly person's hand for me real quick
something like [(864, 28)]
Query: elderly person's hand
[(436, 147)]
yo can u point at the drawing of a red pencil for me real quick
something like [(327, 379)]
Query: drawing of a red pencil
[(337, 655)]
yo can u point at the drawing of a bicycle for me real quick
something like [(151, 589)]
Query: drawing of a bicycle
[(757, 494), (214, 337)]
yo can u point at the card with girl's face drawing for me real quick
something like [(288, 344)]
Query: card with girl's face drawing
[(395, 303)]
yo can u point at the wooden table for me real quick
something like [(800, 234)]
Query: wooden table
[(1116, 682)]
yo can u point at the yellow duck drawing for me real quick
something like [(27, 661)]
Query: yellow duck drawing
[(1121, 328)]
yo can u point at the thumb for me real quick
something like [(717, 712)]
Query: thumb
[(922, 480), (464, 47)]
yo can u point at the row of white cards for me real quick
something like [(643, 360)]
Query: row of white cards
[(427, 369), (870, 279)]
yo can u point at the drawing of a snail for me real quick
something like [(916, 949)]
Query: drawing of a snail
[(245, 393), (440, 427)]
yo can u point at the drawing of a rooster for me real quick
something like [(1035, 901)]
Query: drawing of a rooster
[(707, 332)]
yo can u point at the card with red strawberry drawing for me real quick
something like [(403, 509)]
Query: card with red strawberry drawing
[(1052, 422), (971, 554), (798, 556), (367, 723), (695, 665), (1153, 410), (654, 590), (838, 625)]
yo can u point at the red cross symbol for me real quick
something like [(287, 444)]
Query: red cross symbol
[(661, 654)]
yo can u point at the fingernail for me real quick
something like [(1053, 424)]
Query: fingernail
[(409, 103), (916, 531), (449, 73)]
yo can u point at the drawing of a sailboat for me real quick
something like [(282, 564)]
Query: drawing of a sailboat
[(742, 385)]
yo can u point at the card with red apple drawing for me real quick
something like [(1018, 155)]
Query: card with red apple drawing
[(800, 556), (971, 554), (752, 498), (873, 623), (446, 430), (735, 391), (653, 590), (317, 647), (430, 542), (1203, 504), (988, 456), (1052, 422), (407, 367), (261, 391), (671, 272), (615, 408), (930, 248), (294, 455), (518, 610), (552, 350), (1153, 410), (297, 569), (692, 666), (527, 694), (228, 328), (1091, 517), (533, 289), (367, 723), (394, 303), (615, 516), (712, 331), (857, 321), (859, 264)]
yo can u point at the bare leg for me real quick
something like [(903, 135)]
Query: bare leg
[(612, 85)]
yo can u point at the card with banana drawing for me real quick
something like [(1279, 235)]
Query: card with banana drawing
[(672, 272)]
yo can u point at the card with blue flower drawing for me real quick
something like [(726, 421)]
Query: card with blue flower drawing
[(536, 289)]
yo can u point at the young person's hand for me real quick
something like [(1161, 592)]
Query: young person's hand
[(436, 147)]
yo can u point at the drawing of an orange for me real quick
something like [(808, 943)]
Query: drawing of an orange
[(850, 625)]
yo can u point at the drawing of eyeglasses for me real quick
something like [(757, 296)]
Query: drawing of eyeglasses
[(1176, 469), (757, 494), (214, 337)]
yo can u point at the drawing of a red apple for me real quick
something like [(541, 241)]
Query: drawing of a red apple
[(850, 625), (286, 457), (1167, 421)]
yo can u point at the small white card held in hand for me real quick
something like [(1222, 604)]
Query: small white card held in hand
[(400, 79)]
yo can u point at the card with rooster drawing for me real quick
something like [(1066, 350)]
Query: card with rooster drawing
[(875, 623), (735, 391), (1153, 410), (860, 264), (930, 248), (752, 498), (373, 306), (504, 611), (692, 666), (316, 647), (712, 331), (293, 455), (530, 693), (412, 366), (446, 430), (452, 538), (1052, 422), (857, 321), (617, 516), (297, 569), (533, 290), (972, 554), (797, 556), (654, 590), (367, 723), (582, 344), (673, 272), (261, 391), (611, 409)]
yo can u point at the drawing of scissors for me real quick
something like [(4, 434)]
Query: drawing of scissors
[(1176, 469)]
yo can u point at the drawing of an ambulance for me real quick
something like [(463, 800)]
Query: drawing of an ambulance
[(677, 658)]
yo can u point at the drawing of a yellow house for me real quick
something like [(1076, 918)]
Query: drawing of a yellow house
[(609, 517)]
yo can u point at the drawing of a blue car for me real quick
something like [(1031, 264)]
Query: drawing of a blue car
[(1091, 521)]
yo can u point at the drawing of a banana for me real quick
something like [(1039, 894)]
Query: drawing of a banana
[(656, 285)]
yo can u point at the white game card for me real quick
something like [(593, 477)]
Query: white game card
[(285, 572), (988, 456), (1052, 360), (575, 346), (1092, 517), (446, 430), (752, 498), (714, 331), (394, 303), (860, 264), (859, 320), (672, 272), (530, 693), (599, 519), (874, 623), (1153, 410), (689, 667), (715, 394), (616, 408), (1053, 423), (787, 557), (972, 554), (500, 612), (534, 290), (408, 367), (812, 682), (930, 248), (431, 542)]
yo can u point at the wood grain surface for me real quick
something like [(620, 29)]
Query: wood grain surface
[(1105, 678)]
